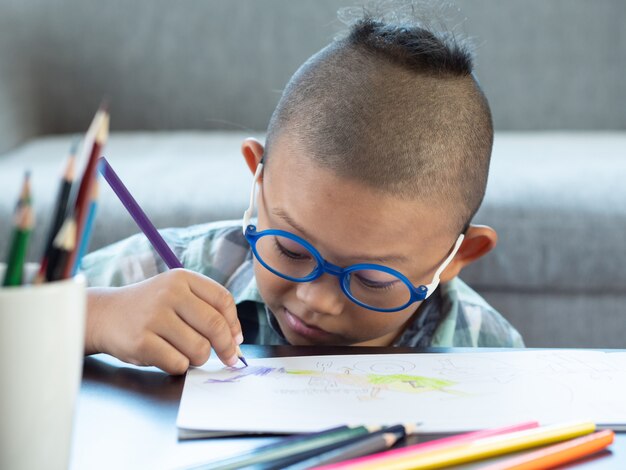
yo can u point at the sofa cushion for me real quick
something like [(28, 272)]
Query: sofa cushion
[(557, 201)]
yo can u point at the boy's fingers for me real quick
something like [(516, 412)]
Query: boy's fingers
[(186, 340), (155, 351), (211, 324), (218, 296)]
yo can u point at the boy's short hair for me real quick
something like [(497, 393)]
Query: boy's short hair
[(396, 107)]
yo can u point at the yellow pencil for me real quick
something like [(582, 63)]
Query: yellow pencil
[(486, 447)]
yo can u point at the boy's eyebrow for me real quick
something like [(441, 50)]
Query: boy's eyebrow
[(362, 257)]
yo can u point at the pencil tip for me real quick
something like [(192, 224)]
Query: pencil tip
[(103, 131), (104, 104), (25, 194), (243, 359)]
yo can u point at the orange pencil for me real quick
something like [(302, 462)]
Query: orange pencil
[(558, 454)]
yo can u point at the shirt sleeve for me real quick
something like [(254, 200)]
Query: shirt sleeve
[(469, 321), (215, 249), (122, 263)]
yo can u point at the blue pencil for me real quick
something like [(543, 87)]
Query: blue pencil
[(91, 215)]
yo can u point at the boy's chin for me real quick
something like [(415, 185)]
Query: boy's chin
[(298, 334), (297, 340)]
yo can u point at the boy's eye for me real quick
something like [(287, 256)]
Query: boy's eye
[(376, 284), (295, 252)]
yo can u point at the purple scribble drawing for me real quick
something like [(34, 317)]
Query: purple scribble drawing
[(247, 371)]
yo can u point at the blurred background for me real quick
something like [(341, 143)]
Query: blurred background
[(215, 64), (188, 80)]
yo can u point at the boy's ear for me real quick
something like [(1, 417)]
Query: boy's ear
[(479, 240), (252, 150)]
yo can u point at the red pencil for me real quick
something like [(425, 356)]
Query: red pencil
[(81, 206)]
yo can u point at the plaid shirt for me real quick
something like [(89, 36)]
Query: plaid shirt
[(454, 315)]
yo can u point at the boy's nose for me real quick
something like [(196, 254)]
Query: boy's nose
[(323, 295)]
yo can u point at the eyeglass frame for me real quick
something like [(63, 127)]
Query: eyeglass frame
[(417, 293)]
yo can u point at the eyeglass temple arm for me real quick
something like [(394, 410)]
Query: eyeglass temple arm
[(247, 215), (433, 285)]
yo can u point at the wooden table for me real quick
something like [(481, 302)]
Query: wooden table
[(126, 416)]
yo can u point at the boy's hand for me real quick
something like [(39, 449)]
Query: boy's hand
[(170, 321)]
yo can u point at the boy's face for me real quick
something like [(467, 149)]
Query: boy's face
[(348, 223)]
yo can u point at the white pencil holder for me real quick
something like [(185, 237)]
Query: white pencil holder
[(41, 355)]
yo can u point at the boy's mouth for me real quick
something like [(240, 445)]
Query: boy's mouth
[(296, 324)]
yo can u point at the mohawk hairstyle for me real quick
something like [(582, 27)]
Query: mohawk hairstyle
[(396, 107), (413, 47)]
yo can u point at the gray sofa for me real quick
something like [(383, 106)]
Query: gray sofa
[(187, 81)]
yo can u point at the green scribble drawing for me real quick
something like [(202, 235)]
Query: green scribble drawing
[(370, 384), (413, 381), (393, 382), (302, 372)]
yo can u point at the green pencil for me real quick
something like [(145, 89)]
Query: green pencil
[(24, 220)]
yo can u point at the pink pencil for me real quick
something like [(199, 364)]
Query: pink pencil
[(430, 445)]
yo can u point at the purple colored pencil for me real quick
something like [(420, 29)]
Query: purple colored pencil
[(137, 213), (140, 217)]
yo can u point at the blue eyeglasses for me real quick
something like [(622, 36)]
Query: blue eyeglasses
[(371, 286)]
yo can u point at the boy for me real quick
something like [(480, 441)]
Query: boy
[(375, 162)]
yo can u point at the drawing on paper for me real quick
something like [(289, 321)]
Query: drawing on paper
[(364, 379)]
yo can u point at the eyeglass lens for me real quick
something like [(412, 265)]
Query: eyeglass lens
[(371, 287)]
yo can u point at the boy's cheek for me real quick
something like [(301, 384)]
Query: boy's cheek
[(271, 287)]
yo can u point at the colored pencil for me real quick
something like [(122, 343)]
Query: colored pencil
[(484, 448), (81, 205), (62, 247), (369, 444), (444, 442), (144, 223), (557, 454), (60, 211), (84, 241), (138, 215), (399, 430), (89, 139), (283, 449), (24, 220), (25, 193)]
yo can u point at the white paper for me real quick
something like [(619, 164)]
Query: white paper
[(444, 392)]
